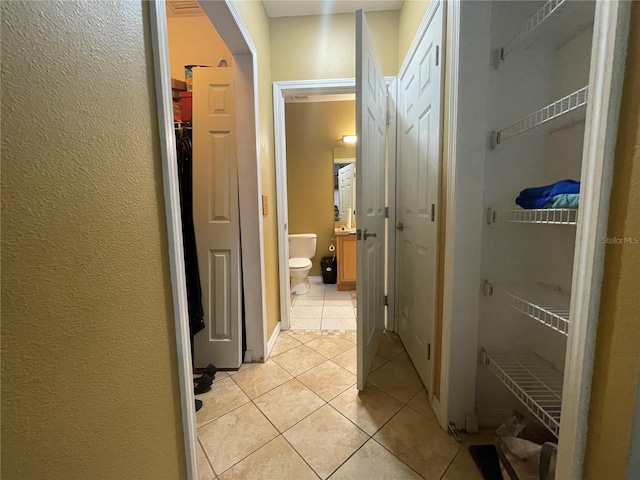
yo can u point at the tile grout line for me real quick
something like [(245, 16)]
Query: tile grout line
[(206, 456)]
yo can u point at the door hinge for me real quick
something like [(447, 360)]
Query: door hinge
[(386, 212), (358, 234), (491, 216), (428, 351), (433, 212), (386, 300), (437, 55), (388, 118)]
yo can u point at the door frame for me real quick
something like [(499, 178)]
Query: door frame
[(606, 78), (314, 87), (280, 90), (227, 21)]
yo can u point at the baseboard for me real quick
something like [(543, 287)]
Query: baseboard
[(272, 340)]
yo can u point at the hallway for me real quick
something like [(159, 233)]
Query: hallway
[(299, 416)]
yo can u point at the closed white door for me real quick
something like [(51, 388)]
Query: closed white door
[(370, 202), (346, 190), (418, 170), (216, 217)]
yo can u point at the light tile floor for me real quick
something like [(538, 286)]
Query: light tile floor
[(299, 415), (323, 308)]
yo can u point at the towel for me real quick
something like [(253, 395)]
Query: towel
[(564, 200), (538, 197)]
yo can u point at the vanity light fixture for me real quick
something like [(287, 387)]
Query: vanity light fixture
[(349, 138)]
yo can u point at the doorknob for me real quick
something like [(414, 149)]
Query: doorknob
[(400, 226), (368, 234)]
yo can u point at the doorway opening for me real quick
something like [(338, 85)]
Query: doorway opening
[(320, 193), (240, 55)]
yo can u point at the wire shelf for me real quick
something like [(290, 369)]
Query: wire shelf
[(548, 216), (536, 382), (556, 109), (546, 305), (552, 22)]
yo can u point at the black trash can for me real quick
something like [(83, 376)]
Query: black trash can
[(329, 269)]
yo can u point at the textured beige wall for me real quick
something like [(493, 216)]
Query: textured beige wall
[(313, 129), (194, 41), (617, 361), (318, 47), (255, 19), (89, 369), (409, 19)]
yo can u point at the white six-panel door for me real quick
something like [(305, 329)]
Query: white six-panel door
[(417, 194), (216, 217), (370, 196)]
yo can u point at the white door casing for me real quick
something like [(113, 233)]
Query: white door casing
[(370, 202), (216, 217), (418, 192)]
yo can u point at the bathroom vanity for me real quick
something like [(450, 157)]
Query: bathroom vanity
[(346, 253)]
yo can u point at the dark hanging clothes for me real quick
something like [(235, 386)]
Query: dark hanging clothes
[(192, 273)]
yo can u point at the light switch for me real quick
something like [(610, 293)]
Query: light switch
[(265, 207)]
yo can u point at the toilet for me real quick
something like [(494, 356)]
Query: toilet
[(302, 248)]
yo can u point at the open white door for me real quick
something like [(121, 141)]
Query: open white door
[(371, 112), (418, 170), (216, 217)]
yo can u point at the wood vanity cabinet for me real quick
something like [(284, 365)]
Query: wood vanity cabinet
[(346, 252)]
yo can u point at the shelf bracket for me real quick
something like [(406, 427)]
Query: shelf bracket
[(487, 288), (494, 139), (491, 216), (497, 58)]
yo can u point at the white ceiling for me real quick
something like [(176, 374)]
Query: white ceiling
[(296, 8)]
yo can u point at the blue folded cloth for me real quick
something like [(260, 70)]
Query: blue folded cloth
[(538, 197), (564, 200)]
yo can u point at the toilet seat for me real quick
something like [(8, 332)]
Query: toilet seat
[(299, 262)]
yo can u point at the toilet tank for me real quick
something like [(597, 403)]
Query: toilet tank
[(302, 245)]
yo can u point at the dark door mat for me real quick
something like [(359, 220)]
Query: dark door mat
[(486, 459)]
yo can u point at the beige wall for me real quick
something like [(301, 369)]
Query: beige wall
[(409, 19), (313, 129), (255, 19), (617, 361), (194, 41), (317, 47), (89, 369)]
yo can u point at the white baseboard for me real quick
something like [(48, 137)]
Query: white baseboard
[(272, 340)]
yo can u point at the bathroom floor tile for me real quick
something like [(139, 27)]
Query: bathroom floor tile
[(338, 324), (399, 382), (337, 312), (419, 442), (314, 291), (304, 301), (329, 302), (284, 343), (335, 295), (369, 409), (325, 439), (299, 359), (327, 380), (225, 440), (374, 461), (348, 360), (223, 397), (330, 345), (306, 311), (287, 404), (256, 381), (276, 460)]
